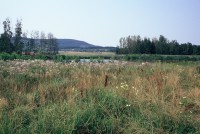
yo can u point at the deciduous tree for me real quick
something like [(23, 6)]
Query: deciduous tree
[(18, 42), (5, 42)]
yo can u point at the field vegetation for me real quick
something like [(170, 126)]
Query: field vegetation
[(88, 54), (77, 56), (42, 96)]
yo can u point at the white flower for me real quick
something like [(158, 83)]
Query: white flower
[(128, 105), (136, 92)]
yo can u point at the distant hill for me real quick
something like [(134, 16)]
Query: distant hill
[(77, 45), (71, 43)]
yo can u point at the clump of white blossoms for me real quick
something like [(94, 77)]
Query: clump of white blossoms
[(124, 86)]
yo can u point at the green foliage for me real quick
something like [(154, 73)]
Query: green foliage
[(99, 112), (19, 44), (163, 58), (52, 97), (99, 59), (136, 45), (5, 38)]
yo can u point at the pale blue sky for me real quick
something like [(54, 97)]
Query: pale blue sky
[(103, 22)]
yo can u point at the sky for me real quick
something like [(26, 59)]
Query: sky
[(104, 22)]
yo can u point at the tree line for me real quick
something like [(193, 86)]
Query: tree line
[(19, 41), (138, 45)]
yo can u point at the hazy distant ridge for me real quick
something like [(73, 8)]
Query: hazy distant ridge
[(72, 43)]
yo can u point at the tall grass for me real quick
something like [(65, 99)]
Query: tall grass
[(39, 96)]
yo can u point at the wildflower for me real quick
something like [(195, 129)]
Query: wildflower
[(191, 112), (128, 105), (136, 92), (184, 97), (117, 87), (180, 103)]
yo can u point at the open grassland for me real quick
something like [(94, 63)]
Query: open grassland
[(89, 54), (39, 96)]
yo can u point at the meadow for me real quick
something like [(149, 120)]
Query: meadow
[(87, 54), (43, 96)]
